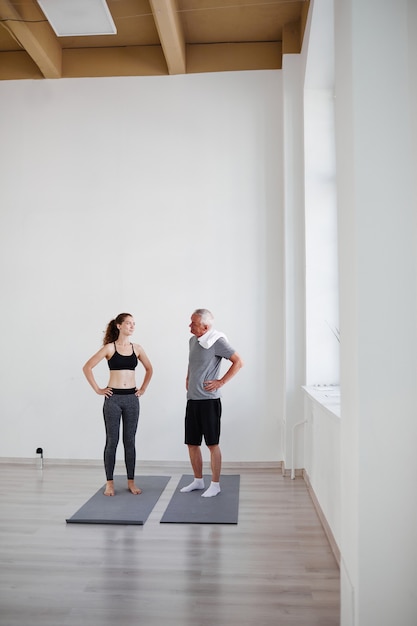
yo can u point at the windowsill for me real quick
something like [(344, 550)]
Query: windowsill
[(327, 396)]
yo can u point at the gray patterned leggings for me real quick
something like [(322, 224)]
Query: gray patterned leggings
[(124, 407)]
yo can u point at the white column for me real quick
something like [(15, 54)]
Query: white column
[(294, 255)]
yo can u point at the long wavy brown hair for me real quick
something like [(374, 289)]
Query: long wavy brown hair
[(112, 332)]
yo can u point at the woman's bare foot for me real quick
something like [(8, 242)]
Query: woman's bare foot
[(132, 488), (109, 490)]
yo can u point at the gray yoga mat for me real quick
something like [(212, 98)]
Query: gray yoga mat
[(124, 507), (191, 508)]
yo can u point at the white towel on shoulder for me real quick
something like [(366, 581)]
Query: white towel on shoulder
[(210, 337)]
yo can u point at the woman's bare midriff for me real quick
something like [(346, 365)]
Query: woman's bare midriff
[(122, 379)]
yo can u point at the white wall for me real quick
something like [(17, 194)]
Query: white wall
[(149, 195), (376, 164), (322, 456), (370, 511)]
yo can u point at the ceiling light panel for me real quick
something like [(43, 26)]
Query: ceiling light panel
[(75, 18)]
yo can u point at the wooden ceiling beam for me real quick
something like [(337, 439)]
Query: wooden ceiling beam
[(170, 33), (291, 38), (123, 61), (233, 57), (37, 39)]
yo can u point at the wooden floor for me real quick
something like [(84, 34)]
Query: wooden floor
[(274, 568)]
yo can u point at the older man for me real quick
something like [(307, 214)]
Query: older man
[(202, 419)]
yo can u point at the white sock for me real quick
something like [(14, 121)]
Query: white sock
[(198, 483), (213, 490)]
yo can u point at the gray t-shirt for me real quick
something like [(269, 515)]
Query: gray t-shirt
[(204, 364)]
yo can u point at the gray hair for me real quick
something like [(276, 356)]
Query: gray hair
[(206, 316)]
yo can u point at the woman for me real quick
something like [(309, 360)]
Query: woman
[(121, 395)]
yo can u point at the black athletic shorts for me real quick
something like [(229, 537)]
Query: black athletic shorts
[(202, 417)]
